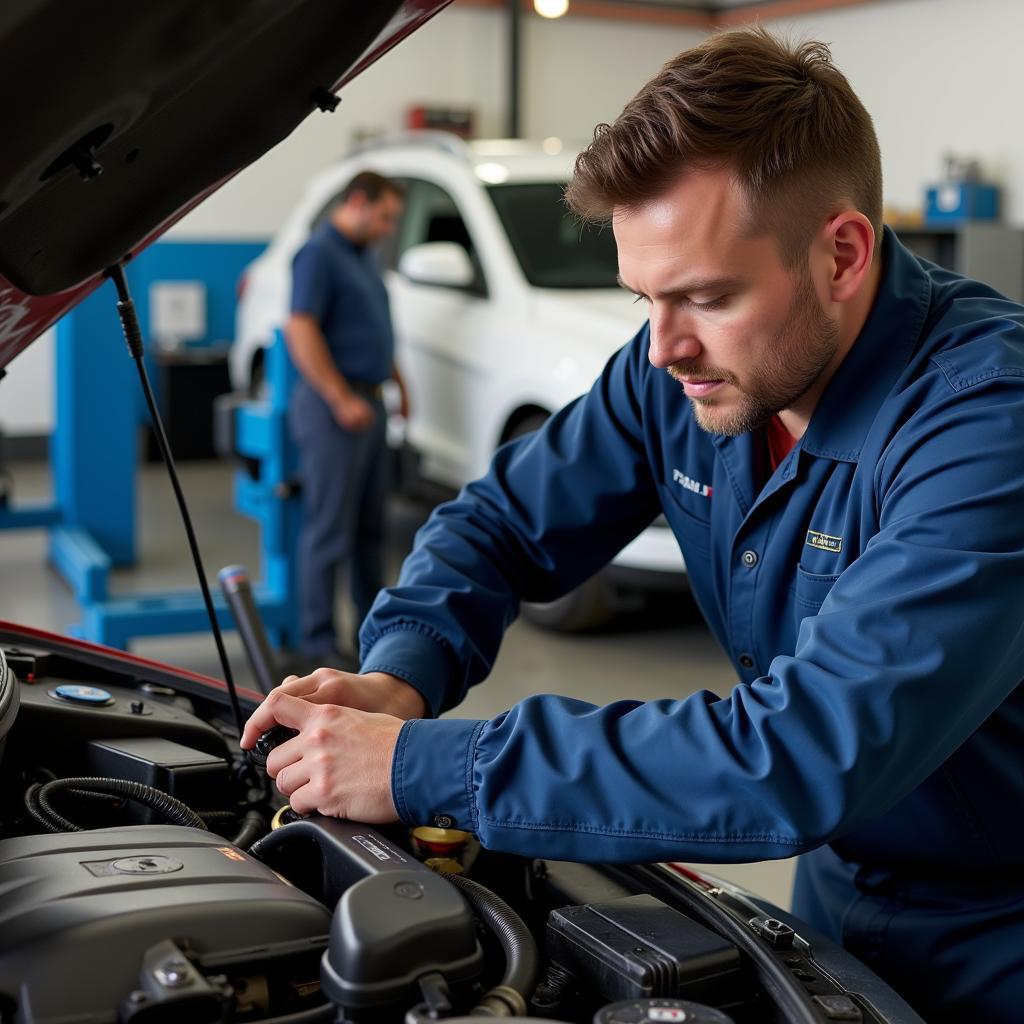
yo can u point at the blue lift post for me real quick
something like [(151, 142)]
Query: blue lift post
[(94, 453), (94, 448), (261, 433)]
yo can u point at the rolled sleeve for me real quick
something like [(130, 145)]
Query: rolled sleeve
[(416, 654), (432, 773)]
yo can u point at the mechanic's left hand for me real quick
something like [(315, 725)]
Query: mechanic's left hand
[(339, 764)]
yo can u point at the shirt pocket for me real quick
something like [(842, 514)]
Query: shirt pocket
[(810, 589), (693, 532)]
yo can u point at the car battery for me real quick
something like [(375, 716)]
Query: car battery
[(198, 779), (639, 948)]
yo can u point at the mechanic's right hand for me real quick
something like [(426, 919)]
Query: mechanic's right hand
[(375, 691), (353, 412)]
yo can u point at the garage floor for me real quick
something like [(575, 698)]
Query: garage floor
[(667, 652)]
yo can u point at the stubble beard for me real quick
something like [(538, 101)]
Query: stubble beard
[(793, 360)]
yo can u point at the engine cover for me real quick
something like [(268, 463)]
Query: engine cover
[(80, 911)]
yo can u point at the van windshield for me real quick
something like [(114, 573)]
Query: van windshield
[(554, 249)]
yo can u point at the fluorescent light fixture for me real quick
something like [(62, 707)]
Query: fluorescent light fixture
[(492, 174), (551, 8)]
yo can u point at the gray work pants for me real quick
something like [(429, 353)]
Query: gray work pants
[(344, 477)]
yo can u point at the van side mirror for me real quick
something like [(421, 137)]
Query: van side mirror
[(445, 264)]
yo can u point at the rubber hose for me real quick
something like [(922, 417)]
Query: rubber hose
[(171, 810), (253, 826), (32, 806), (51, 820), (522, 958)]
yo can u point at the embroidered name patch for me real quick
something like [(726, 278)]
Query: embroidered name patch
[(704, 490), (824, 541)]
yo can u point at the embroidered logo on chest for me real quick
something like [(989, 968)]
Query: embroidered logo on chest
[(824, 541), (704, 490)]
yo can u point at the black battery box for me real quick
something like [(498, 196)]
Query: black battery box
[(638, 947), (198, 779)]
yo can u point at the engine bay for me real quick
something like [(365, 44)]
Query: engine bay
[(149, 872)]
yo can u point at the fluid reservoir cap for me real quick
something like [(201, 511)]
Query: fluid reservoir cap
[(659, 1011), (82, 694), (438, 841)]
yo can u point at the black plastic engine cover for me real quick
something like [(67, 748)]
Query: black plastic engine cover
[(79, 911), (396, 920)]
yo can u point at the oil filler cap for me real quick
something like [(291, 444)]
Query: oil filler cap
[(78, 694)]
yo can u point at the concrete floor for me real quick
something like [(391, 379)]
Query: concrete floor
[(638, 658)]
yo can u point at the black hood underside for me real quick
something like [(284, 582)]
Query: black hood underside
[(120, 113)]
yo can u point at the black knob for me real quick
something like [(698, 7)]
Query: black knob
[(267, 742)]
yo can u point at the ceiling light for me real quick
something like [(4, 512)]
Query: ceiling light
[(551, 8)]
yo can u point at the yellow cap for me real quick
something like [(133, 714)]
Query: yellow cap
[(445, 865), (440, 836)]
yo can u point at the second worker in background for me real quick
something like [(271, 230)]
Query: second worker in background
[(340, 338)]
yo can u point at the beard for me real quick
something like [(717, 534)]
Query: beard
[(792, 361)]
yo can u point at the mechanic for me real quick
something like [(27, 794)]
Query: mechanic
[(340, 338), (833, 429)]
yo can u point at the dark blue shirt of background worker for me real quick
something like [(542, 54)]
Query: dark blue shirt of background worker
[(868, 585), (340, 338)]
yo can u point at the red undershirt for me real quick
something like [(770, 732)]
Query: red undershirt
[(780, 441)]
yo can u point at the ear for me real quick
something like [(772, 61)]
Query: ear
[(850, 240)]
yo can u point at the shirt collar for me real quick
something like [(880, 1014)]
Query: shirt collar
[(859, 386), (339, 237)]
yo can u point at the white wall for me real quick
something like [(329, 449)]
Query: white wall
[(576, 72), (936, 75), (456, 59), (27, 391)]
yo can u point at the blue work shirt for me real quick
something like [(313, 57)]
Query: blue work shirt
[(869, 592), (338, 283)]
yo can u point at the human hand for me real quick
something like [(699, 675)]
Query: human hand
[(339, 764), (375, 691), (353, 412), (403, 399)]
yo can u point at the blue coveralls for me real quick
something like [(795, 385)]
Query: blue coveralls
[(344, 473), (870, 595)]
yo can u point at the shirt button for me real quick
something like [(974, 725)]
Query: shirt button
[(749, 559), (444, 821), (746, 661)]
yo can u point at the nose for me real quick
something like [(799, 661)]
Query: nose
[(672, 338)]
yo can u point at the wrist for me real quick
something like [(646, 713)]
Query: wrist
[(404, 700)]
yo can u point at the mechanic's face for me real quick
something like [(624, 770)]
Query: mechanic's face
[(745, 336), (378, 218)]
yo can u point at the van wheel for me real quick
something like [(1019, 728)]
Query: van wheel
[(582, 610)]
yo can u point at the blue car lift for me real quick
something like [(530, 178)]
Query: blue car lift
[(94, 455)]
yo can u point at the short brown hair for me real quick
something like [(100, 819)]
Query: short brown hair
[(782, 116), (372, 185)]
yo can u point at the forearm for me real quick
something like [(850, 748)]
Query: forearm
[(312, 358), (527, 530)]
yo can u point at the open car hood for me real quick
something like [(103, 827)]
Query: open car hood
[(121, 117)]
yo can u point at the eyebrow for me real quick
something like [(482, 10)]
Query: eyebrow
[(705, 284)]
